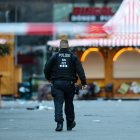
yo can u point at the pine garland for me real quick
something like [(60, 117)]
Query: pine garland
[(4, 49)]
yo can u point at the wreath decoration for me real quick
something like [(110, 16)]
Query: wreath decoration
[(4, 49)]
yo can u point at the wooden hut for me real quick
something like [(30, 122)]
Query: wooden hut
[(9, 72)]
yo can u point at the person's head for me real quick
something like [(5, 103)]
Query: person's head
[(64, 44)]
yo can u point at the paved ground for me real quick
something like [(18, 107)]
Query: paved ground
[(96, 120)]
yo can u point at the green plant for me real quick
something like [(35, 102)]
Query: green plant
[(4, 49)]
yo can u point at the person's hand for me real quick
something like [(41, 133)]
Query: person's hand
[(84, 87)]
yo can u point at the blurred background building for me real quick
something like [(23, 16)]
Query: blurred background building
[(42, 11), (31, 51)]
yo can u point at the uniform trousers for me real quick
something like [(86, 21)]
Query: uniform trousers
[(63, 92)]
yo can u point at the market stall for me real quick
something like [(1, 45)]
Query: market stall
[(10, 74), (113, 58)]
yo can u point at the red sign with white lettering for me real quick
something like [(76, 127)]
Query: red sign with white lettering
[(92, 11), (91, 14)]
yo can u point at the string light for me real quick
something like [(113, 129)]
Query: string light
[(124, 50), (87, 52)]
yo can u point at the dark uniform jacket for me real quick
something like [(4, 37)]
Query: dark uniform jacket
[(64, 65)]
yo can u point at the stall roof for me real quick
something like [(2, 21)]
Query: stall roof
[(123, 29), (110, 42)]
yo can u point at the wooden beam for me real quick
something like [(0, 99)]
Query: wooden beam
[(108, 70), (0, 92)]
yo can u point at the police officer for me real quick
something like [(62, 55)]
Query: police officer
[(62, 69)]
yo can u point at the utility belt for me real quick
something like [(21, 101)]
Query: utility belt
[(71, 82), (63, 80)]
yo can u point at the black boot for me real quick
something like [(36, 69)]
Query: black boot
[(70, 126), (59, 127)]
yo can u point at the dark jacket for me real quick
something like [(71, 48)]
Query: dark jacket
[(64, 65)]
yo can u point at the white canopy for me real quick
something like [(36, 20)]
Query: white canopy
[(126, 20)]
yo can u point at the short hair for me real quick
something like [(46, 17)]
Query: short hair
[(64, 41)]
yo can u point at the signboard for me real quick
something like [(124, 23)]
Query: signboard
[(91, 14)]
